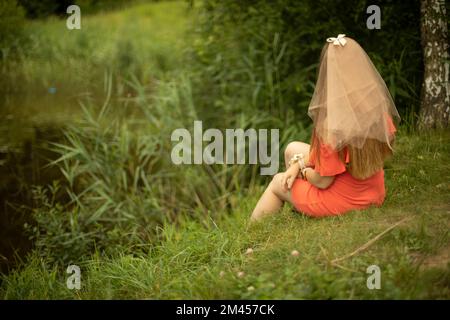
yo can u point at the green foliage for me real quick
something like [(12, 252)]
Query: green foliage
[(111, 176), (43, 8), (94, 6), (268, 62), (121, 182), (12, 21), (200, 259), (75, 61), (56, 231), (141, 227)]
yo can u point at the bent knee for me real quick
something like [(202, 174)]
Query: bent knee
[(296, 147), (276, 186), (290, 150), (276, 179)]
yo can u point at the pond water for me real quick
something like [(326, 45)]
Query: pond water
[(29, 122)]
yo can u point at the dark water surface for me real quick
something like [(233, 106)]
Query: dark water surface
[(29, 122)]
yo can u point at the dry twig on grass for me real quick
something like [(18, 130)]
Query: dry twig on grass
[(369, 243)]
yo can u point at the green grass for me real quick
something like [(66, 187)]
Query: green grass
[(145, 39), (142, 43), (201, 259), (139, 50)]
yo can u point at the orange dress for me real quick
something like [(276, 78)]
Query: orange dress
[(344, 194)]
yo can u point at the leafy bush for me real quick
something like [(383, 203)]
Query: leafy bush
[(12, 18), (43, 8), (261, 55), (120, 179), (111, 178)]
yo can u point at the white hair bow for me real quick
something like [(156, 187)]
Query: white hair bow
[(339, 41)]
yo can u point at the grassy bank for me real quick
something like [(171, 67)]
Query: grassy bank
[(141, 227), (203, 259), (118, 58)]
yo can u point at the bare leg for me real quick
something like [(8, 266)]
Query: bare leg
[(272, 199), (274, 196)]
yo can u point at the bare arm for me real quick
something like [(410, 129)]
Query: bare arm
[(321, 182)]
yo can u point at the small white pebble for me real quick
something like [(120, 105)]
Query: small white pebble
[(249, 251), (295, 253), (240, 274), (251, 288), (222, 274)]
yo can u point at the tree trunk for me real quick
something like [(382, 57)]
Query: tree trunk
[(435, 95)]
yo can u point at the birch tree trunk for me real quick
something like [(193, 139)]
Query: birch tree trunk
[(435, 95)]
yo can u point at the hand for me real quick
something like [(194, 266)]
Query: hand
[(289, 176)]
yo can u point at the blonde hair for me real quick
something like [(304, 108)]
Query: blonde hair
[(364, 162)]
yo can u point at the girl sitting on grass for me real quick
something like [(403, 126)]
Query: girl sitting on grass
[(353, 133)]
